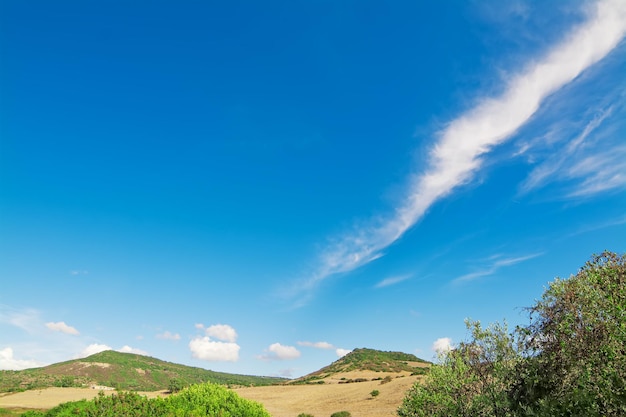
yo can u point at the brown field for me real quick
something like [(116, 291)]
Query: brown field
[(281, 400), (51, 397), (323, 400)]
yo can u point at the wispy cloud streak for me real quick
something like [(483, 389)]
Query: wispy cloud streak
[(458, 151), (496, 264)]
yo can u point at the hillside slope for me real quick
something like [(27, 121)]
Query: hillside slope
[(367, 364), (125, 371)]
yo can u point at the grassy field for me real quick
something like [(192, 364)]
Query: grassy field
[(320, 400), (346, 384)]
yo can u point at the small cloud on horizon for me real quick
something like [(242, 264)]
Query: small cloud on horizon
[(342, 352), (279, 352), (316, 345), (442, 345), (224, 349), (8, 361), (222, 332)]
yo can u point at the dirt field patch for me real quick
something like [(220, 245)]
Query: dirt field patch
[(51, 397), (324, 399), (281, 400)]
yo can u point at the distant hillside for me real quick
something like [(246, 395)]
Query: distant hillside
[(124, 371), (368, 361)]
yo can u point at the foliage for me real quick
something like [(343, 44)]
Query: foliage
[(575, 344), (305, 415), (341, 414), (123, 371), (375, 393), (196, 401), (369, 360), (569, 361), (176, 384)]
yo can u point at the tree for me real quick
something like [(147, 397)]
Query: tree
[(575, 344), (570, 360), (470, 380), (175, 385)]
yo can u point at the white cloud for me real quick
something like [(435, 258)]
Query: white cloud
[(27, 319), (442, 345), (590, 163), (495, 263), (317, 345), (199, 326), (166, 335), (128, 349), (206, 349), (392, 281), (276, 351), (93, 349), (9, 363), (460, 147), (62, 327), (342, 352), (222, 332)]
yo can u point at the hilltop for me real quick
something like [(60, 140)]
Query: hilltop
[(367, 364), (124, 371)]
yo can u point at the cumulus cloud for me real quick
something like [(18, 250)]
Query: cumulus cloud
[(128, 349), (442, 345), (276, 351), (342, 352), (93, 349), (209, 350), (62, 327), (222, 332), (317, 345), (166, 335), (9, 363), (461, 146)]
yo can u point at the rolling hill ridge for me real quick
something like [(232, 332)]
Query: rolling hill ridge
[(122, 371)]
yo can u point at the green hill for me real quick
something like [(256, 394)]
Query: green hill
[(370, 360), (123, 371)]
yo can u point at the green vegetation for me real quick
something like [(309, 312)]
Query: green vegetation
[(568, 361), (341, 414), (196, 401), (305, 415), (369, 360), (123, 371), (375, 393)]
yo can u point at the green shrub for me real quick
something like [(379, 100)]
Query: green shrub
[(305, 415), (341, 414), (568, 361), (204, 400), (375, 393)]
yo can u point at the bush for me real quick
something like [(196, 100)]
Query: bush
[(305, 415), (198, 401), (341, 414), (375, 393), (569, 361)]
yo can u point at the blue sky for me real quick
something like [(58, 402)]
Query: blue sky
[(260, 187)]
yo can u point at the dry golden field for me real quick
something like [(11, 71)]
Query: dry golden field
[(320, 400)]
